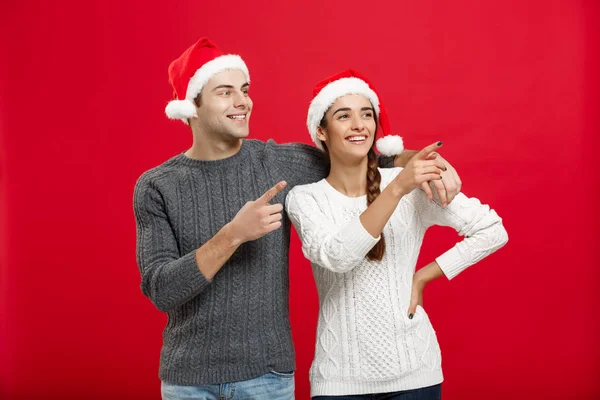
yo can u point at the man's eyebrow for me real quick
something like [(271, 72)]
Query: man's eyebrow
[(223, 87), (245, 85)]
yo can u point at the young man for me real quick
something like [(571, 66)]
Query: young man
[(203, 245)]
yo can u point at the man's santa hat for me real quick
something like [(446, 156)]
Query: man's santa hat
[(192, 70), (346, 82)]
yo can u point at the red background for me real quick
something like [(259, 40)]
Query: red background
[(511, 87)]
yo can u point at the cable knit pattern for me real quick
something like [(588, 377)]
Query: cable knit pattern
[(236, 326), (365, 341)]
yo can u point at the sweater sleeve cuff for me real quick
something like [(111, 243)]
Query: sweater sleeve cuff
[(191, 273), (452, 263), (357, 240), (386, 161)]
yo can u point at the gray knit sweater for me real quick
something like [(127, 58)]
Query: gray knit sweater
[(235, 326)]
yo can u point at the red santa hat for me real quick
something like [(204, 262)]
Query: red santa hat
[(346, 82), (192, 70)]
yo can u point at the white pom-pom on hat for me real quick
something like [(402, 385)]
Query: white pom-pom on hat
[(180, 109), (390, 145)]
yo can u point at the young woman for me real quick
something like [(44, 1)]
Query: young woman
[(362, 228)]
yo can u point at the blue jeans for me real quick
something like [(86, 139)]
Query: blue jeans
[(273, 385), (426, 393)]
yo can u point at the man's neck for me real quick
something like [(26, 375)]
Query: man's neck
[(210, 147), (349, 179)]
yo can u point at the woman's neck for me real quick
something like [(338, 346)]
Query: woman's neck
[(349, 177)]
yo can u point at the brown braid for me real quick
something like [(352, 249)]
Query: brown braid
[(373, 190)]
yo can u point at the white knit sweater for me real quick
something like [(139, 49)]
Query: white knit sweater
[(365, 341)]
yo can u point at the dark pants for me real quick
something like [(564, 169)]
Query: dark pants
[(426, 393)]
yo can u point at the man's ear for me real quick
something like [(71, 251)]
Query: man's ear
[(197, 103), (198, 100)]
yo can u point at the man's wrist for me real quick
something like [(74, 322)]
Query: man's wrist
[(231, 236), (403, 158)]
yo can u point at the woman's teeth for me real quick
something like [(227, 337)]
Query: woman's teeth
[(357, 138)]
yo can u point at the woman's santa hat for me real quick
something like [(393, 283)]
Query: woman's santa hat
[(346, 82), (192, 70)]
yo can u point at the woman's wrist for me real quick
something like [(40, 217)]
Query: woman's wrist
[(428, 273), (398, 188)]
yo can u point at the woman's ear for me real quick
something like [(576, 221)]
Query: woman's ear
[(321, 134)]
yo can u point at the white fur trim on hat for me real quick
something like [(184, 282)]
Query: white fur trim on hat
[(184, 109), (211, 68), (390, 145), (329, 94)]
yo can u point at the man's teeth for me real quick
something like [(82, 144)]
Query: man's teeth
[(357, 138), (237, 116)]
